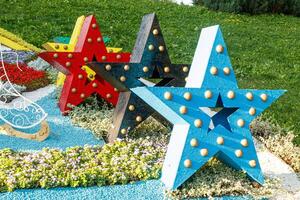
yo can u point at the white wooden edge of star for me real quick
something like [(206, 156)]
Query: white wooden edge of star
[(201, 57)]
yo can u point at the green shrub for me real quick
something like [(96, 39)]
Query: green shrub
[(253, 6)]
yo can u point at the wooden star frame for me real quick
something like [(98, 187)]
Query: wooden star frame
[(68, 45), (198, 135), (89, 47), (149, 59)]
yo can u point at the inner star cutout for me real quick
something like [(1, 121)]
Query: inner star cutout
[(149, 59), (219, 115), (89, 47), (211, 83)]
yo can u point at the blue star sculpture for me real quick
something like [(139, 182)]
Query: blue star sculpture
[(199, 135)]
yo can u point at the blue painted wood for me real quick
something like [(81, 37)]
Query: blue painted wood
[(206, 57), (230, 125), (63, 40)]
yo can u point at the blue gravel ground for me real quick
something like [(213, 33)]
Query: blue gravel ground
[(148, 190), (63, 134), (142, 190)]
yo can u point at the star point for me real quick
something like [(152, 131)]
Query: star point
[(149, 60), (72, 62), (211, 84)]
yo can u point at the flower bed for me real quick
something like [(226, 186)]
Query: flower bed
[(29, 77), (10, 56), (119, 163)]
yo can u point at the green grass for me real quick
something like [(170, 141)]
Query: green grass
[(264, 49)]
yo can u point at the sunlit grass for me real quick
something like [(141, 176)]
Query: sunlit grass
[(264, 49)]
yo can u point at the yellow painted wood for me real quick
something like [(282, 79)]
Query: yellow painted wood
[(113, 49), (91, 74), (60, 79), (40, 135), (52, 46), (11, 44), (77, 29), (14, 42)]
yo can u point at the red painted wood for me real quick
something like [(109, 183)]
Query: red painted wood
[(90, 45)]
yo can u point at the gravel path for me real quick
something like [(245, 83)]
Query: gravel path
[(62, 133), (274, 167)]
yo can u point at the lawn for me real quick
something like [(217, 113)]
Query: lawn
[(264, 49)]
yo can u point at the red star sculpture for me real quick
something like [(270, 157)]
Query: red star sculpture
[(77, 86)]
